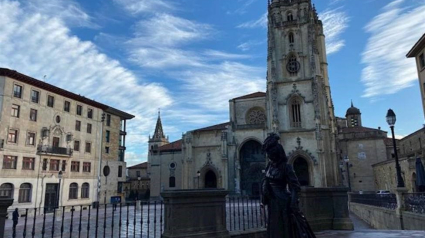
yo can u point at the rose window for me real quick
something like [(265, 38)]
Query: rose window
[(256, 117)]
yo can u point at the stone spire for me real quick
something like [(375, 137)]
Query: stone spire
[(159, 132)]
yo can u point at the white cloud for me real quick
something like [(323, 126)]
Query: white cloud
[(243, 5), (393, 33), (249, 44), (144, 6), (47, 47), (261, 22), (335, 22)]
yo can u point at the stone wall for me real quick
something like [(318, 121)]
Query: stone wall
[(377, 217), (413, 221), (257, 233)]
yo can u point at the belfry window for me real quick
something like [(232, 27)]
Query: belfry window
[(290, 17), (295, 112), (291, 38)]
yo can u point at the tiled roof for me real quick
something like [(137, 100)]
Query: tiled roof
[(173, 146), (51, 88), (221, 126), (357, 129), (143, 165), (252, 95)]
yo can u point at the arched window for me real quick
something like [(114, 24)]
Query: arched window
[(73, 191), (172, 182), (291, 38), (6, 190), (290, 17), (25, 192), (295, 112), (85, 190)]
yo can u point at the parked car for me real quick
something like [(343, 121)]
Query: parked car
[(382, 192)]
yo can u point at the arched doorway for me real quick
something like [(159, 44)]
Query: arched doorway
[(253, 162), (301, 170), (210, 180)]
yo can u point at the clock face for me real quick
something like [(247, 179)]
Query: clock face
[(293, 66)]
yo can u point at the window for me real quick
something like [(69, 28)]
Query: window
[(6, 190), (119, 189), (17, 91), (75, 166), (138, 173), (73, 191), (87, 167), (25, 193), (85, 190), (120, 171), (293, 65), (422, 60), (33, 115), (89, 128), (90, 113), (9, 162), (291, 37), (30, 138), (13, 136), (28, 163), (63, 165), (67, 106), (78, 125), (108, 119), (290, 17), (45, 164), (79, 110), (107, 150), (88, 147), (15, 110), (172, 182), (76, 145), (50, 101), (108, 135), (54, 165), (35, 96), (295, 113)]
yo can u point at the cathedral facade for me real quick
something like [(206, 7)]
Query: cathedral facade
[(297, 105)]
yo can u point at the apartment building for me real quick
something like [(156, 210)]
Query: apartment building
[(56, 145)]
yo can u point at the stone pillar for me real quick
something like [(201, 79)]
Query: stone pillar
[(4, 204), (195, 213), (400, 204), (341, 219)]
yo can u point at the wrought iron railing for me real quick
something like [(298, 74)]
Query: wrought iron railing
[(379, 200), (54, 150), (415, 202), (245, 213), (135, 219)]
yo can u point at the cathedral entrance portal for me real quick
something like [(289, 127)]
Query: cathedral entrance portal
[(301, 170), (210, 180), (253, 162)]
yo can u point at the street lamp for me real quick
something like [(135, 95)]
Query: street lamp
[(138, 187), (59, 187), (199, 175), (391, 119)]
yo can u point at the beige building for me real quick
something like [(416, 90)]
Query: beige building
[(46, 131), (139, 181), (418, 52), (298, 106)]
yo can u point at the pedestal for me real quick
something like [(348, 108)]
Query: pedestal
[(195, 213), (4, 204)]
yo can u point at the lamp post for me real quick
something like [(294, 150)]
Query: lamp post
[(391, 119), (138, 187), (199, 175), (59, 186)]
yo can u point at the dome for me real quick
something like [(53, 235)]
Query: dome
[(353, 110)]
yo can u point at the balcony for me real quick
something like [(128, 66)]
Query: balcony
[(59, 151)]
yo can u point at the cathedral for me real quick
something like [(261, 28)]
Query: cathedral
[(297, 106)]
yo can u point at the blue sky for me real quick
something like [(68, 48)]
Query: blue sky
[(189, 57)]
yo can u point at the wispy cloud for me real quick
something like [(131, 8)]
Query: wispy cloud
[(47, 47), (243, 6), (335, 22), (393, 32), (261, 22), (145, 6), (250, 44)]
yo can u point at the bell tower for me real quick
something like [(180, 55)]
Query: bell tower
[(299, 103), (158, 139)]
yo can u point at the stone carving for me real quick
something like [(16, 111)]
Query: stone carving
[(299, 150), (293, 93), (256, 116)]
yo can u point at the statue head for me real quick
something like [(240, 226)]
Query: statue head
[(273, 148)]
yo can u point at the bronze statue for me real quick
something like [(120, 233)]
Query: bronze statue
[(285, 219)]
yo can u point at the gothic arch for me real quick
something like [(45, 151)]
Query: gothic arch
[(294, 93), (205, 169), (295, 112), (303, 166), (252, 162)]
